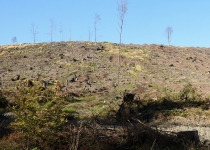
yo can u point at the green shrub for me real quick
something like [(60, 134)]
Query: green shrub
[(190, 96), (40, 115)]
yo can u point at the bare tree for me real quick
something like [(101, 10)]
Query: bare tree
[(168, 33), (122, 10), (33, 32), (52, 29), (89, 34), (14, 39), (61, 31), (96, 21), (70, 34)]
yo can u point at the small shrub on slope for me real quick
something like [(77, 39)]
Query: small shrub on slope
[(190, 96)]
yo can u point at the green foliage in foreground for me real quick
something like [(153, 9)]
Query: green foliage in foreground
[(39, 114)]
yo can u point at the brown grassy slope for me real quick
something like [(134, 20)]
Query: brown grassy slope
[(96, 65), (156, 65)]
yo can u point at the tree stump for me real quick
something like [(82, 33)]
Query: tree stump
[(190, 136)]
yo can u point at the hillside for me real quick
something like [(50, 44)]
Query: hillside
[(158, 64), (89, 71)]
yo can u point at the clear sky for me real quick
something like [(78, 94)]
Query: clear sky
[(145, 21)]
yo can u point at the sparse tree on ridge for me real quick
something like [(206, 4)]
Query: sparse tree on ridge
[(61, 31), (52, 29), (33, 32), (70, 35), (89, 34), (122, 10), (96, 21), (14, 39), (168, 33)]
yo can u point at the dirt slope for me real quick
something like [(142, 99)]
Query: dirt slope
[(157, 64), (95, 65)]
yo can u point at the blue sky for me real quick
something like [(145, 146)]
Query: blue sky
[(145, 21)]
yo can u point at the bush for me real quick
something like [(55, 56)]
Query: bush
[(190, 96), (40, 115)]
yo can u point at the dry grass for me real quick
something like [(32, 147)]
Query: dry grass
[(137, 54)]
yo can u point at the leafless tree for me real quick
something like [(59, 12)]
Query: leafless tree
[(70, 35), (89, 34), (33, 32), (168, 33), (61, 31), (122, 10), (52, 29), (14, 39), (96, 21)]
